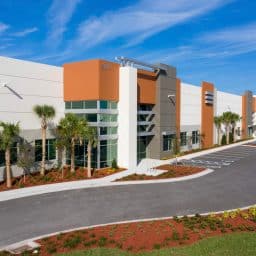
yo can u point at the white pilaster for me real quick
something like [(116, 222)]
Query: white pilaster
[(127, 118)]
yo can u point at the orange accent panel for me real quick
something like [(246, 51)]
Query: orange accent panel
[(254, 104), (178, 93), (244, 116), (207, 117), (91, 80), (146, 87)]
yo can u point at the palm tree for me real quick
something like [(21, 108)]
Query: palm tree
[(227, 118), (234, 119), (218, 122), (71, 130), (45, 113), (7, 138), (92, 140)]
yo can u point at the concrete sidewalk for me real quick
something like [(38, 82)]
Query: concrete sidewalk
[(108, 181)]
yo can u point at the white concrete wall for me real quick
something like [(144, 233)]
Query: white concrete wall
[(29, 84), (127, 118), (190, 107)]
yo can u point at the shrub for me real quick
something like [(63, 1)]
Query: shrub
[(224, 139), (252, 211), (175, 236), (245, 215), (225, 215), (231, 137), (72, 242), (102, 241), (51, 248), (157, 246), (114, 164)]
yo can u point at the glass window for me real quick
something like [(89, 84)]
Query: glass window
[(68, 105), (167, 142), (113, 105), (195, 137), (183, 138), (2, 158), (77, 105), (107, 118), (145, 107), (14, 155), (91, 104), (108, 152), (50, 151), (142, 128), (108, 130), (103, 104), (91, 117), (142, 118)]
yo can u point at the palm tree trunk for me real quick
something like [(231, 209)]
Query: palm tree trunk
[(89, 146), (72, 165), (227, 134), (234, 134), (8, 168), (219, 141), (42, 172)]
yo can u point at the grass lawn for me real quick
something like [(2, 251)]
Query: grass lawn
[(239, 244)]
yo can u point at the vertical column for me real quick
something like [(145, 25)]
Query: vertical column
[(247, 110), (127, 118), (207, 101)]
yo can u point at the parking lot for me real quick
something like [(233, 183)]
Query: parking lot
[(222, 159)]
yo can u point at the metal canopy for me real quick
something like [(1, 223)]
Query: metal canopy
[(130, 62)]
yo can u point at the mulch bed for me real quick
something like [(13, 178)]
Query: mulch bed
[(56, 176), (145, 236), (173, 171)]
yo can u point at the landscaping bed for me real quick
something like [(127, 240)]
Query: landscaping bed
[(146, 236), (172, 171), (57, 176)]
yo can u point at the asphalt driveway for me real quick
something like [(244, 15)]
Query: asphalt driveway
[(231, 186)]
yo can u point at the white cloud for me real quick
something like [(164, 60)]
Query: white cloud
[(3, 27), (25, 32), (59, 14), (231, 41), (142, 20)]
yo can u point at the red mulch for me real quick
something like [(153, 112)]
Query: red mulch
[(55, 176), (173, 171), (145, 236)]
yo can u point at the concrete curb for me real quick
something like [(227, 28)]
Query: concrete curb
[(32, 240), (64, 186), (189, 177)]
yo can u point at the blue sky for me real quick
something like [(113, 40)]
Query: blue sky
[(212, 40)]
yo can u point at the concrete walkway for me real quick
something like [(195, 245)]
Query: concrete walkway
[(108, 181)]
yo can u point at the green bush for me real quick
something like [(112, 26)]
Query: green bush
[(114, 164), (72, 242), (224, 139), (102, 241)]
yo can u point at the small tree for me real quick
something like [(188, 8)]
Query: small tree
[(234, 119), (224, 139), (114, 164), (7, 138), (25, 161), (45, 113), (227, 119), (92, 140), (218, 122), (71, 130)]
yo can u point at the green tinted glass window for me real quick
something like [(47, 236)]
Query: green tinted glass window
[(90, 104), (103, 104), (50, 150), (68, 105), (77, 105), (91, 117)]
